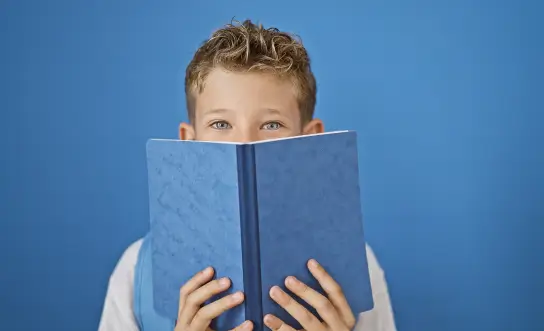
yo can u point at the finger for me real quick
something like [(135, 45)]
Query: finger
[(199, 296), (206, 314), (194, 283), (246, 326), (295, 309), (275, 324), (324, 307), (334, 291)]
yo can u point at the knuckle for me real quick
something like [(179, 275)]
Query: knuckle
[(304, 288), (201, 315), (216, 284), (289, 301), (180, 326), (336, 289), (192, 300), (183, 291), (307, 317), (325, 306), (223, 304)]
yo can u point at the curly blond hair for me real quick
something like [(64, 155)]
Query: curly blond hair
[(247, 47)]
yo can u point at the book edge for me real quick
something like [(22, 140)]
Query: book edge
[(253, 142)]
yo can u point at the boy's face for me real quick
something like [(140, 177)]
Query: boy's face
[(245, 107)]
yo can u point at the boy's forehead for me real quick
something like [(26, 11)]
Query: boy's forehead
[(226, 90)]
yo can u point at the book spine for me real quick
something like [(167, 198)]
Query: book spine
[(249, 222)]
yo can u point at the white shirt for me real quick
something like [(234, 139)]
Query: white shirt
[(118, 315)]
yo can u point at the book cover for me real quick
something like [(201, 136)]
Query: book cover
[(256, 212)]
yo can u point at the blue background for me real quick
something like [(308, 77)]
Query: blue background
[(447, 97)]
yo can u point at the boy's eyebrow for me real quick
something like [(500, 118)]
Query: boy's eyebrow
[(217, 111), (225, 110), (272, 111)]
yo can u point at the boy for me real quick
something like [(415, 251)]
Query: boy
[(245, 83)]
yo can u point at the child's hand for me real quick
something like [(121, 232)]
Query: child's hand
[(333, 309), (192, 316)]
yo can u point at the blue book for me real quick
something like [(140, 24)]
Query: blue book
[(256, 212)]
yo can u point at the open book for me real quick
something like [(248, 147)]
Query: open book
[(256, 212)]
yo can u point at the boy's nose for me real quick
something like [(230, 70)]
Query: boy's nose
[(246, 137)]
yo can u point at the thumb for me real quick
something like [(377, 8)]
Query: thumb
[(246, 326)]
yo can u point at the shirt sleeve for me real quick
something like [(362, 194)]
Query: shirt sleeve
[(381, 317), (117, 313)]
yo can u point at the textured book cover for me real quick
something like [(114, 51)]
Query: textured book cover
[(256, 213)]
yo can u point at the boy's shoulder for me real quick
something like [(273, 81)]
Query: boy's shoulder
[(117, 311), (123, 274), (130, 255)]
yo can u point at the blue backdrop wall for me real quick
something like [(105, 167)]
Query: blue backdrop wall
[(446, 96)]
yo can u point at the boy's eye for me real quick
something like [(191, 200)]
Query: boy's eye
[(272, 126), (221, 125)]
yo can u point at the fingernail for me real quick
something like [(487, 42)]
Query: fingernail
[(272, 322), (292, 281), (275, 291), (207, 271), (313, 263), (237, 296), (279, 296), (246, 325), (224, 281)]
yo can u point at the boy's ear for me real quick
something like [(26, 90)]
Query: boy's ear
[(186, 132), (315, 126)]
